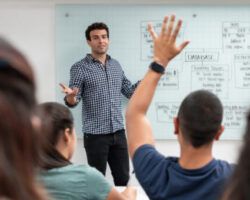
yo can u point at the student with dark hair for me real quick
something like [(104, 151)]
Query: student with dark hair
[(195, 175), (61, 178), (239, 184), (18, 139), (100, 82)]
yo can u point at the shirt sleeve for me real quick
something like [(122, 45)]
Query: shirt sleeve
[(151, 170), (127, 87), (97, 186), (76, 80)]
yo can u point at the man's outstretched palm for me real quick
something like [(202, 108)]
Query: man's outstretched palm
[(71, 93)]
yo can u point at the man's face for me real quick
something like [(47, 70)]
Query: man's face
[(99, 41)]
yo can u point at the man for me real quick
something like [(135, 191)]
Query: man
[(195, 175), (99, 81)]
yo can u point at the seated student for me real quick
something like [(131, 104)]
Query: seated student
[(18, 141), (239, 184), (195, 175), (61, 178)]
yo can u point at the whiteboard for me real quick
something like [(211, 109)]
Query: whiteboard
[(217, 59)]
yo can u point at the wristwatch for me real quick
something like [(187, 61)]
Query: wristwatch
[(157, 68)]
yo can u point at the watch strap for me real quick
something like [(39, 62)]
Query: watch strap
[(157, 68)]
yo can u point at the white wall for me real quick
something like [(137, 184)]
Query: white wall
[(29, 24)]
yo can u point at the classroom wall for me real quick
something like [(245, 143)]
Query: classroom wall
[(30, 25)]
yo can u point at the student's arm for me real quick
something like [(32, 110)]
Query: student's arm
[(138, 126), (128, 194)]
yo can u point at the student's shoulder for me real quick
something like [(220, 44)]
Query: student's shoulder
[(70, 169), (77, 167), (148, 152), (225, 166), (86, 169), (83, 172), (224, 163), (145, 148), (92, 176), (66, 171)]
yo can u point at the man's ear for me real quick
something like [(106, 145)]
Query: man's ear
[(219, 132), (88, 41), (176, 125)]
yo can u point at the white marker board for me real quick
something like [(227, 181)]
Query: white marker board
[(217, 59)]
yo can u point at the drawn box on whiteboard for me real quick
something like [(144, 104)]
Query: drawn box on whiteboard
[(242, 70), (170, 80), (211, 77), (236, 36), (166, 111), (235, 115), (201, 57)]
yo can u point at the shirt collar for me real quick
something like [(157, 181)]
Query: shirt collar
[(90, 58)]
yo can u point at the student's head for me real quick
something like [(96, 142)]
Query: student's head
[(16, 75), (18, 139), (57, 130), (97, 35), (239, 184), (199, 118)]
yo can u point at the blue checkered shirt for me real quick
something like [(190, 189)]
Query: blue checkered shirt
[(100, 88)]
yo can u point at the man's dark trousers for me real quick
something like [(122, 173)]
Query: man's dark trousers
[(111, 148)]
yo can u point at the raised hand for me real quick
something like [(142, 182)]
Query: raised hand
[(165, 48)]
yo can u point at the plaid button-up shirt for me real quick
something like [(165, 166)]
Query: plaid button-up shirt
[(100, 88)]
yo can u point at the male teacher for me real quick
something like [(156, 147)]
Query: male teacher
[(100, 82)]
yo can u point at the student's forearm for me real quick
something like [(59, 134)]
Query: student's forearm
[(139, 130), (143, 94), (124, 197), (128, 194)]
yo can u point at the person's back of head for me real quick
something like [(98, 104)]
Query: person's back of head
[(16, 60), (16, 76), (55, 119), (239, 184), (18, 141), (200, 116)]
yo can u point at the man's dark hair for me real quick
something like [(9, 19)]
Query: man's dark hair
[(96, 26), (200, 116)]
